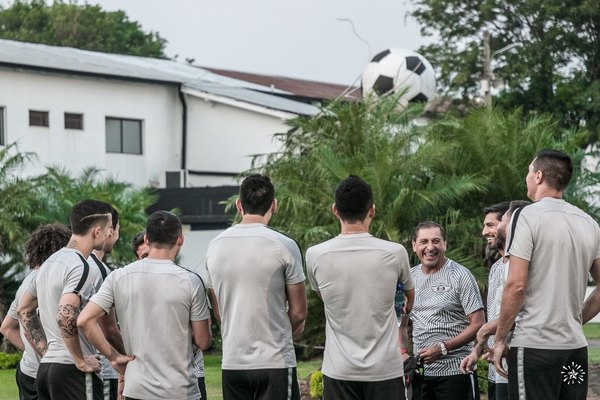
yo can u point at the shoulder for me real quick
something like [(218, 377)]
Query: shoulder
[(458, 270)]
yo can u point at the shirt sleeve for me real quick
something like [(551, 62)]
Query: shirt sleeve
[(32, 287), (470, 297), (105, 298), (206, 275), (12, 310), (521, 241), (294, 272), (404, 275), (310, 270), (199, 310)]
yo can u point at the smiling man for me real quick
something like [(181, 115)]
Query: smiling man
[(492, 218), (447, 313)]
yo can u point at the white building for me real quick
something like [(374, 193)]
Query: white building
[(135, 118)]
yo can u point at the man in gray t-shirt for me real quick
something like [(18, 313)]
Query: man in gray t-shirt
[(41, 244), (446, 316), (553, 246), (160, 363), (356, 276), (256, 282), (61, 288)]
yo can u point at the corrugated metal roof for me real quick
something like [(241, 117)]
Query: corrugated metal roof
[(76, 61)]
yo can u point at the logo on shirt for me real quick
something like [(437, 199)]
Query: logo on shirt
[(572, 374), (441, 288)]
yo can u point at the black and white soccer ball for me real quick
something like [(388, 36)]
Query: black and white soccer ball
[(399, 71)]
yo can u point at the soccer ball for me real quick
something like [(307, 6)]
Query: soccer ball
[(399, 71)]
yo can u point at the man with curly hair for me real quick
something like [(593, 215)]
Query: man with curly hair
[(41, 244)]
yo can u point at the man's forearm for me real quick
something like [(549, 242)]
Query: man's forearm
[(591, 307), (34, 332), (512, 301), (67, 323)]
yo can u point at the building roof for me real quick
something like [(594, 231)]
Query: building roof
[(69, 60), (299, 87)]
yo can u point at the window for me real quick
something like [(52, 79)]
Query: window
[(123, 136), (2, 137), (73, 121), (38, 118)]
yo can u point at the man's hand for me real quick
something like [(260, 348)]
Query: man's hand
[(119, 363), (89, 364), (467, 363), (500, 353), (430, 354)]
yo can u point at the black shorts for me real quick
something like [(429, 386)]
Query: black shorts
[(111, 387), (65, 382), (260, 384), (26, 385), (453, 387), (337, 389), (202, 387), (547, 374)]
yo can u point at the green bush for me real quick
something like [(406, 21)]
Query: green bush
[(316, 384), (9, 361), (482, 375)]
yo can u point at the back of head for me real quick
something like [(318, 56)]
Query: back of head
[(45, 241), (498, 209), (115, 217), (257, 194), (87, 214), (353, 199), (163, 229), (137, 241), (428, 225), (516, 204), (556, 166)]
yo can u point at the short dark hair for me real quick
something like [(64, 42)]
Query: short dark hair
[(257, 194), (499, 209), (163, 229), (115, 217), (45, 241), (137, 241), (428, 225), (88, 213), (515, 204), (353, 199), (556, 166)]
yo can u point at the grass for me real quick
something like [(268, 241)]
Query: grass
[(8, 386), (592, 331)]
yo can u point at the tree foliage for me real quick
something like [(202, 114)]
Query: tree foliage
[(556, 70), (84, 26), (446, 171)]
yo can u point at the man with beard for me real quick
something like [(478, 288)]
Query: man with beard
[(497, 384), (554, 246), (492, 218), (447, 313)]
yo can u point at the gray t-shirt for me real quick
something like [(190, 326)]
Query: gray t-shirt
[(560, 242), (442, 302), (356, 275), (62, 273), (155, 301), (249, 266), (30, 360)]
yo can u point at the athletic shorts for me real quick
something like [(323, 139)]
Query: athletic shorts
[(66, 382), (537, 374), (260, 384), (497, 391), (26, 385), (202, 387), (337, 389), (111, 387), (453, 387)]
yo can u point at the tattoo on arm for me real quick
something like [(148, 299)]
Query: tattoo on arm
[(34, 331), (67, 320)]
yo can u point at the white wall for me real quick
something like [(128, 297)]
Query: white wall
[(223, 138), (158, 106), (194, 248)]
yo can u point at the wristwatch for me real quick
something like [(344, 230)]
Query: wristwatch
[(443, 349)]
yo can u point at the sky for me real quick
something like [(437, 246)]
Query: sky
[(299, 39)]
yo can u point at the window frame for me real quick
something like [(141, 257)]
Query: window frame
[(79, 122), (121, 135), (2, 126), (44, 115)]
